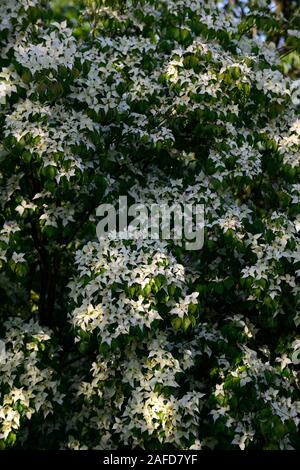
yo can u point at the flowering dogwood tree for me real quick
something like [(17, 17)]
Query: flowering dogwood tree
[(142, 343)]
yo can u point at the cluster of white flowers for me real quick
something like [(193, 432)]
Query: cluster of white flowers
[(28, 384), (268, 385), (266, 273), (57, 49), (118, 287), (52, 133), (8, 82), (13, 11), (124, 399), (289, 145), (169, 102)]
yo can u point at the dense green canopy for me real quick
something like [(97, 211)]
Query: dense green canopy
[(143, 343)]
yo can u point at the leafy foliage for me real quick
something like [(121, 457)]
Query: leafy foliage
[(143, 343)]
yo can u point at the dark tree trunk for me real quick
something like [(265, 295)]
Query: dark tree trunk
[(48, 285)]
